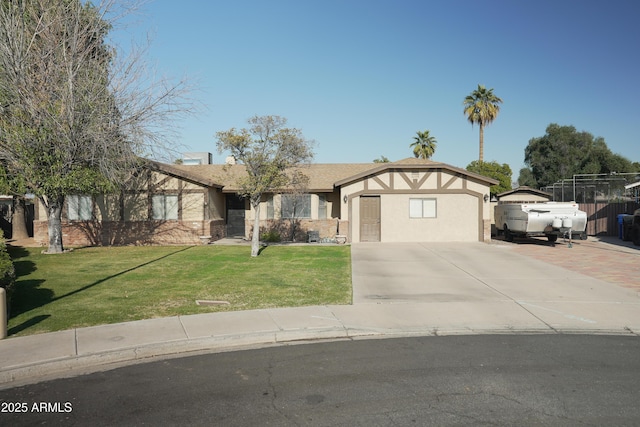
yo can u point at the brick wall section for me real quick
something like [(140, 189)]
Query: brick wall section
[(95, 233)]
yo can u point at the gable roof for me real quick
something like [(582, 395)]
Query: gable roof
[(323, 177), (415, 163)]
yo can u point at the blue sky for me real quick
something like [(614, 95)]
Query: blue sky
[(362, 77)]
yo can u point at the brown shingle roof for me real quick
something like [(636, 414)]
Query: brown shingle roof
[(322, 176), (186, 173)]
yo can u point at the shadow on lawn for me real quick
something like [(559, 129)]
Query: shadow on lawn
[(29, 295), (27, 324)]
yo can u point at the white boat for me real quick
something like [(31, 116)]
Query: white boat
[(551, 219)]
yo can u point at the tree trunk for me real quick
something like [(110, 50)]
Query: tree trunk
[(255, 238), (481, 157), (54, 224), (19, 220)]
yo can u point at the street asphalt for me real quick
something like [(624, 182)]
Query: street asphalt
[(399, 289)]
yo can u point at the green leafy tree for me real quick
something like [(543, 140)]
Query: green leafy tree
[(75, 116), (481, 107), (424, 145), (563, 152), (381, 159), (526, 178), (271, 153), (495, 170)]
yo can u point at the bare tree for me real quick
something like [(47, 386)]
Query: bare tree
[(295, 203), (75, 114), (270, 152)]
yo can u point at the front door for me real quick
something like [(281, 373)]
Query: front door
[(235, 216), (370, 219)]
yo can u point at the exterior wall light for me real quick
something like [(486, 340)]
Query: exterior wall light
[(486, 198), (344, 199)]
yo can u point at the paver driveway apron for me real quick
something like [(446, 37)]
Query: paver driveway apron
[(477, 275)]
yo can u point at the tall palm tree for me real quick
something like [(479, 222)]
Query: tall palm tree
[(482, 107), (424, 145)]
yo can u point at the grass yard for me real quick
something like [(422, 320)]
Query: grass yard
[(93, 286)]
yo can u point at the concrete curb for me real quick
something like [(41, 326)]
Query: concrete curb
[(106, 360)]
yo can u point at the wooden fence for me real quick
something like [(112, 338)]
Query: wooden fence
[(602, 218)]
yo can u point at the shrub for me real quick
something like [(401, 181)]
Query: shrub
[(271, 236), (7, 270)]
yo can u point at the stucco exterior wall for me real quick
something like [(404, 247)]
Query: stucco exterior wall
[(353, 217), (136, 207), (456, 219), (193, 205), (107, 207), (333, 204), (216, 204), (462, 213)]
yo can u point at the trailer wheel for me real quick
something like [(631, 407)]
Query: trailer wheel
[(552, 237), (583, 236), (507, 234)]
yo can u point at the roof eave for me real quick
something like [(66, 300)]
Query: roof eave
[(392, 166), (181, 174)]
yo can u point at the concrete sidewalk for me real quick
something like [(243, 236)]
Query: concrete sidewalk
[(399, 290)]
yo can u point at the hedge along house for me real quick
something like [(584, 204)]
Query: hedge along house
[(409, 200)]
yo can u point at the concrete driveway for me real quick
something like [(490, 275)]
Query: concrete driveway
[(475, 276)]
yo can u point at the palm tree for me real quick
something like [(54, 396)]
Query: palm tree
[(424, 145), (481, 107)]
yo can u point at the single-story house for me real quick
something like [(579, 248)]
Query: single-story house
[(404, 201)]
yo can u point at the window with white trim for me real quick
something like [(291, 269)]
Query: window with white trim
[(322, 206), (422, 208), (270, 208), (296, 205), (79, 208), (164, 206)]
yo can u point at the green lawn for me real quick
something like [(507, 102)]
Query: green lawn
[(93, 286)]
